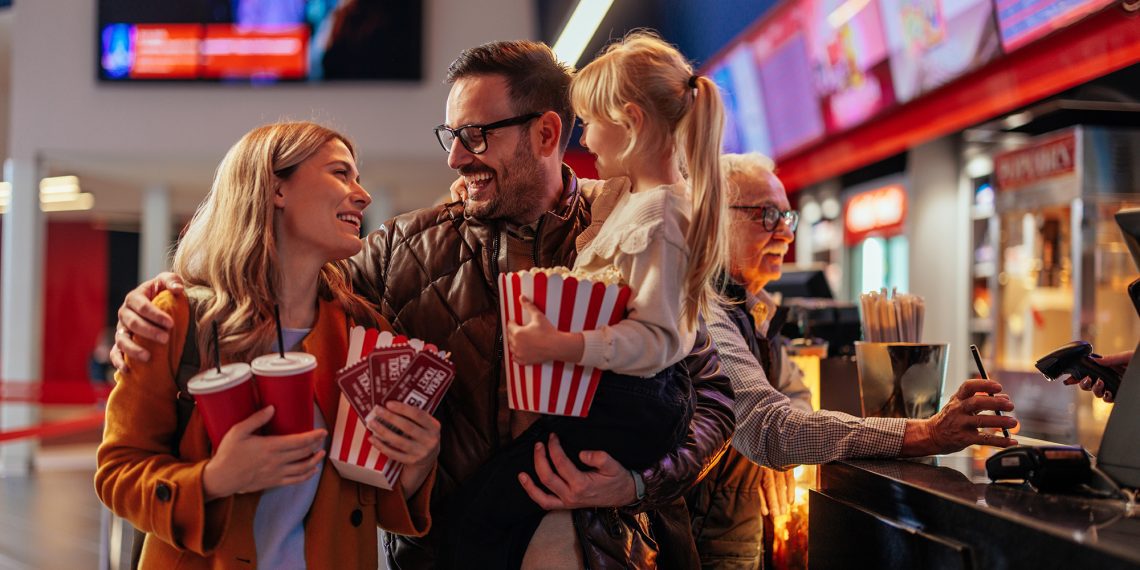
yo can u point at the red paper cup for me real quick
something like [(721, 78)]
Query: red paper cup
[(223, 398), (572, 305), (287, 385)]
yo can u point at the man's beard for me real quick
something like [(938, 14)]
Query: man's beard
[(518, 190)]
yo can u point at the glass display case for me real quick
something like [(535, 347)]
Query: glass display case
[(1062, 269)]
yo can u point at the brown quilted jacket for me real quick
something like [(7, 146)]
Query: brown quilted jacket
[(432, 273)]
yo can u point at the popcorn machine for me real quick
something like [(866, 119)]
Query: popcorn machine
[(1063, 269)]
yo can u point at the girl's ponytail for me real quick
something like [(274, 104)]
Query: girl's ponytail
[(699, 138)]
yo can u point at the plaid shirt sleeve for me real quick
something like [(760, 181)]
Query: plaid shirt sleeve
[(771, 432)]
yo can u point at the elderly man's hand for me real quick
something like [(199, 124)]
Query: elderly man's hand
[(609, 485), (958, 424), (777, 491)]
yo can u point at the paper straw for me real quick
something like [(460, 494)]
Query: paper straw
[(280, 335), (217, 351)]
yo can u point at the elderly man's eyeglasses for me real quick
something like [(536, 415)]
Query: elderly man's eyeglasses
[(474, 137), (770, 216)]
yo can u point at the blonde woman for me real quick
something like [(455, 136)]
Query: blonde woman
[(647, 118), (285, 207)]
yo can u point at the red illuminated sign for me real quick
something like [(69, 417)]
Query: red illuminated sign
[(881, 211), (1046, 159)]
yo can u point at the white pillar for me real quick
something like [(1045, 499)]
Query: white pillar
[(938, 231), (21, 309), (154, 247)]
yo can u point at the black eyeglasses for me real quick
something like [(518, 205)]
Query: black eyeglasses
[(474, 137), (770, 216)]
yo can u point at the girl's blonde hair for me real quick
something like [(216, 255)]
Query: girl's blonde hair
[(683, 115), (227, 255)]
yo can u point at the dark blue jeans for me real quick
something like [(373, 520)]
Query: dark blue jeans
[(635, 420)]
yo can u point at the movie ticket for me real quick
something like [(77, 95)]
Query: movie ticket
[(386, 366), (424, 383), (355, 383)]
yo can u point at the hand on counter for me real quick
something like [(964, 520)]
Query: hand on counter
[(958, 424), (1118, 362)]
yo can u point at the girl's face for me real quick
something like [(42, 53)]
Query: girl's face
[(606, 141), (320, 207)]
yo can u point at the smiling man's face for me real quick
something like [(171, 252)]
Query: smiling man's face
[(504, 181), (757, 255)]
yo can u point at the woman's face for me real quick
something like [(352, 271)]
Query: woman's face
[(320, 207), (606, 141)]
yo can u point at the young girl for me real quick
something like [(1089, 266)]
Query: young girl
[(648, 120), (286, 205)]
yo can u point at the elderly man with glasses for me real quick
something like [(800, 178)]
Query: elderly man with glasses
[(775, 425)]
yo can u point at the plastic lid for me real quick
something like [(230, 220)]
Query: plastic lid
[(293, 363), (210, 380)]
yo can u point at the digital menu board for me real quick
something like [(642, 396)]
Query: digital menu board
[(1023, 21), (791, 103), (848, 52), (258, 40), (932, 42)]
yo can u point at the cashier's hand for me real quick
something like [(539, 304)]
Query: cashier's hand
[(537, 341), (777, 491), (138, 316), (567, 487), (1118, 362), (958, 424)]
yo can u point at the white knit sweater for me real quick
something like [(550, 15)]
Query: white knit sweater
[(643, 234)]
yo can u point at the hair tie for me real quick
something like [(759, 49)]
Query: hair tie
[(693, 81)]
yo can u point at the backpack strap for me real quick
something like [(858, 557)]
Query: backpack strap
[(189, 365)]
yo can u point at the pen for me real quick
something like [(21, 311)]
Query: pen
[(982, 371)]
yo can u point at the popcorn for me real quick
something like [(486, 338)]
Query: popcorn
[(573, 304), (611, 275)]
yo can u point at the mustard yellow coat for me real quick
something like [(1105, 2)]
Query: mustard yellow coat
[(160, 494)]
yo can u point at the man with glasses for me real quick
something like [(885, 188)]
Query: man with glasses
[(774, 430)]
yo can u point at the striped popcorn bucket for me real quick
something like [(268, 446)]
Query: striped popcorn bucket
[(572, 305), (352, 456)]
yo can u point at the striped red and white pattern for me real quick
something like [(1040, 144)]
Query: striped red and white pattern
[(572, 305), (351, 454)]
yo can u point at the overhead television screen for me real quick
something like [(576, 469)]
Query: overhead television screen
[(932, 42), (261, 41), (1023, 21), (849, 56)]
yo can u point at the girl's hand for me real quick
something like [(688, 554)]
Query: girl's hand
[(406, 434), (245, 462), (537, 341)]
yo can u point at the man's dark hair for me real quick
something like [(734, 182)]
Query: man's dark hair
[(537, 81)]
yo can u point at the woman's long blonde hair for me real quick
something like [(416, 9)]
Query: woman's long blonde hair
[(227, 255), (683, 115)]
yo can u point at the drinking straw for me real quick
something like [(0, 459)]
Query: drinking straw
[(280, 335), (217, 351)]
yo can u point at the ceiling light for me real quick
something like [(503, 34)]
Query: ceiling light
[(580, 29)]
